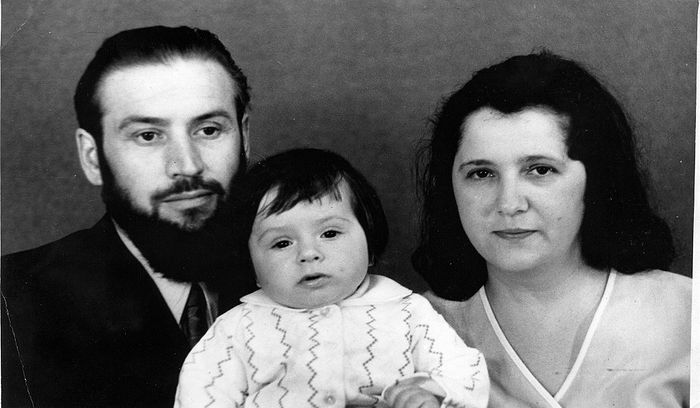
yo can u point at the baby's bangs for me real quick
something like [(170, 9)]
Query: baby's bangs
[(292, 192)]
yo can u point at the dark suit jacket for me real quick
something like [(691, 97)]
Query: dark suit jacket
[(84, 325)]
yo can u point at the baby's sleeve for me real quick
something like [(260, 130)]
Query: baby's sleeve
[(439, 352), (213, 375)]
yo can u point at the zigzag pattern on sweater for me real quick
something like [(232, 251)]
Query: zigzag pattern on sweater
[(365, 363), (274, 313), (192, 357), (436, 370), (407, 334), (219, 374), (474, 374), (202, 347), (248, 329), (314, 319)]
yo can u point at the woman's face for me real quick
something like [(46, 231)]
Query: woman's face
[(519, 194)]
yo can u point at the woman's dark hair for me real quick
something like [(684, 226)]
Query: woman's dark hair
[(306, 175), (619, 229)]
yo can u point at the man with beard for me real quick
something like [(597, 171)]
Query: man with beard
[(105, 317)]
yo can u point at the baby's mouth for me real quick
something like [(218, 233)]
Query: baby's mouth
[(313, 280)]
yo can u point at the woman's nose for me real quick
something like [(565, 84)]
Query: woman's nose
[(511, 200)]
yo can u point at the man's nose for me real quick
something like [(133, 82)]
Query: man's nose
[(183, 157), (511, 199)]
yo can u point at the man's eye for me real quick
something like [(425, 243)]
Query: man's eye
[(281, 244), (330, 234), (209, 131), (147, 136)]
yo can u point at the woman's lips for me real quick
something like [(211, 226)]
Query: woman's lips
[(514, 233)]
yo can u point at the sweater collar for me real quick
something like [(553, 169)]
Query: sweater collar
[(374, 289)]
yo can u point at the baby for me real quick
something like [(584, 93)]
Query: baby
[(321, 331)]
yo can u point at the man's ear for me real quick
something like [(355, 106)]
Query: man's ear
[(89, 159), (244, 134)]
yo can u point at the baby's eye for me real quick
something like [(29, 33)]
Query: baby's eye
[(479, 174), (330, 234), (281, 244), (541, 170)]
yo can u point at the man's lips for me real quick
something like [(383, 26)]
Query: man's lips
[(188, 195), (189, 199), (514, 233)]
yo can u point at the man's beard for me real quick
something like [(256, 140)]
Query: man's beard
[(200, 250)]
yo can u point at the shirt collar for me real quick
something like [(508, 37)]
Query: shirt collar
[(373, 290), (173, 292)]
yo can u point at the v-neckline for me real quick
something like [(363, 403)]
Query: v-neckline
[(552, 400)]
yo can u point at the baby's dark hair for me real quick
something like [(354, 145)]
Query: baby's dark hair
[(307, 175)]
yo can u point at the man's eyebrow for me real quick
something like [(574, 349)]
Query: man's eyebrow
[(213, 114), (141, 119), (150, 120)]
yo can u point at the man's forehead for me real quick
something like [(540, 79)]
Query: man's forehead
[(155, 85)]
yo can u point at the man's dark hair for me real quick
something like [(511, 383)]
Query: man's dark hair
[(307, 175), (619, 229), (151, 45)]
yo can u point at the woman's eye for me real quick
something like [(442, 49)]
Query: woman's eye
[(330, 234), (541, 170), (281, 244), (479, 174)]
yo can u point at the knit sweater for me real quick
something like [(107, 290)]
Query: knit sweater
[(262, 354)]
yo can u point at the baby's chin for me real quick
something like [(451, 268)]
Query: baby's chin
[(311, 303)]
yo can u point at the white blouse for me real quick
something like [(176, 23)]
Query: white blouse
[(636, 352)]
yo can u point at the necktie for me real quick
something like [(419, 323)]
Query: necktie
[(194, 318)]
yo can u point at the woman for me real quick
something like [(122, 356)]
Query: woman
[(535, 213)]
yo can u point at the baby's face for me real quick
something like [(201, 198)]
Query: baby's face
[(312, 255)]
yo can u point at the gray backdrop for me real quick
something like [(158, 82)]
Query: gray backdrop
[(359, 77)]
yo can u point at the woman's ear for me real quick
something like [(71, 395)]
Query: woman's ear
[(89, 158), (244, 135)]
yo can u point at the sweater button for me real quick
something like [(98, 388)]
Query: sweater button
[(324, 312), (330, 399)]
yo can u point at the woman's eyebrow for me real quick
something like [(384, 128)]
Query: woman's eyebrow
[(538, 157), (476, 162)]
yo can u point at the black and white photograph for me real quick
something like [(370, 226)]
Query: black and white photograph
[(347, 203)]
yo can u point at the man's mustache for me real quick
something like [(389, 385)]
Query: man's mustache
[(189, 184)]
